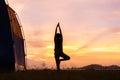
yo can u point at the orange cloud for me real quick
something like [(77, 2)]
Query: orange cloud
[(114, 30)]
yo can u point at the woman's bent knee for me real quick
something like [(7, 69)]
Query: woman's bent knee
[(68, 58)]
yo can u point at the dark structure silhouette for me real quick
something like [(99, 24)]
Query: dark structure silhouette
[(58, 41), (7, 59), (11, 40)]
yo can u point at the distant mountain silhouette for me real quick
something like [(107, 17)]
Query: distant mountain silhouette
[(112, 67), (99, 67), (92, 67)]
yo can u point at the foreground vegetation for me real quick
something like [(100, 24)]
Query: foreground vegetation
[(62, 75)]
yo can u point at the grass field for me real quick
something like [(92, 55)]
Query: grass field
[(62, 75)]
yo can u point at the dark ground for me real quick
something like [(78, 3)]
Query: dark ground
[(62, 75)]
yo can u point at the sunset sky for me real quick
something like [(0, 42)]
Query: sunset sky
[(91, 31)]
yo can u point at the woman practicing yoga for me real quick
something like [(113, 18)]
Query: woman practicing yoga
[(58, 41)]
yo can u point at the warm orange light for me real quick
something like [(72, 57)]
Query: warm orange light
[(99, 49)]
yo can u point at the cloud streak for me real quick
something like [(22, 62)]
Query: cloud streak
[(114, 30)]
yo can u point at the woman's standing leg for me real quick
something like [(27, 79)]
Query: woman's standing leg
[(57, 62)]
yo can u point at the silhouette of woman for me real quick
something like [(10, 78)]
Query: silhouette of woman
[(58, 41)]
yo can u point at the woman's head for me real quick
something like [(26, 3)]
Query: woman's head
[(58, 37)]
